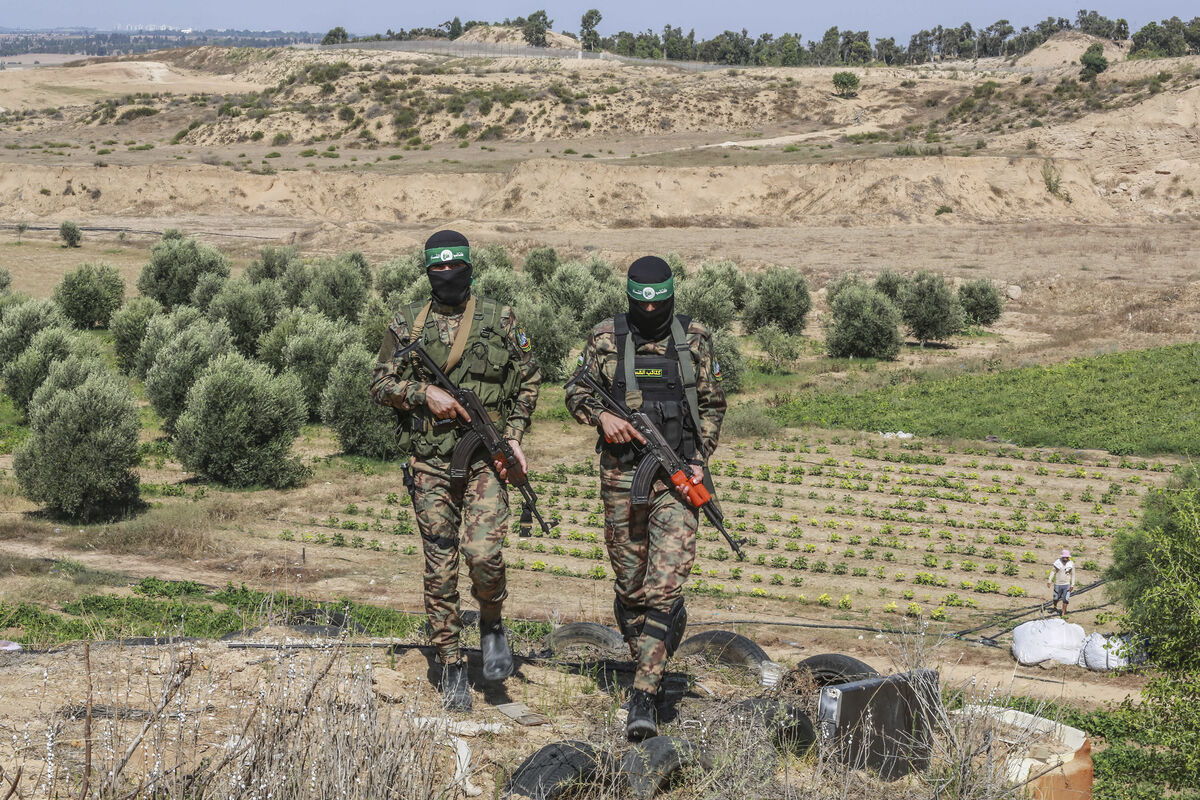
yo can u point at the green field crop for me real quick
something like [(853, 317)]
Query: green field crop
[(1142, 401)]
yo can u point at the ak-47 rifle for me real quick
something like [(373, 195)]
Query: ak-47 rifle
[(482, 434), (658, 455)]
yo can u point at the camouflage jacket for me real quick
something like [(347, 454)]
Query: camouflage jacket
[(390, 385), (601, 351)]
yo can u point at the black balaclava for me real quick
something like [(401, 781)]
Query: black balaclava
[(450, 287), (650, 280)]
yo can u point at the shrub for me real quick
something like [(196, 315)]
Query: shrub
[(607, 300), (70, 234), (81, 450), (781, 349), (312, 351), (295, 281), (490, 257), (376, 316), (180, 362), (929, 309), (864, 324), (399, 275), (503, 287), (22, 322), (65, 375), (159, 330), (28, 371), (890, 283), (726, 274), (338, 289), (207, 287), (362, 426), (89, 295), (708, 303), (750, 420), (128, 326), (981, 301), (271, 343), (1093, 61), (780, 297), (271, 263), (835, 286), (5, 278), (552, 331), (176, 264), (249, 309), (540, 264), (240, 423), (728, 361), (845, 84)]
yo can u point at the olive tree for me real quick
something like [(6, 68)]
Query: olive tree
[(90, 294), (311, 353), (249, 309), (362, 426), (863, 323), (779, 297), (176, 264), (81, 450), (22, 322), (981, 301), (399, 274), (128, 326), (239, 425), (28, 371), (180, 362), (271, 263), (708, 303), (159, 330), (70, 233), (931, 311)]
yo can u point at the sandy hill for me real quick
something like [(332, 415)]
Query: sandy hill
[(1067, 46), (502, 34)]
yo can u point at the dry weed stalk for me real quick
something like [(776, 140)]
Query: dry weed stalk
[(313, 728)]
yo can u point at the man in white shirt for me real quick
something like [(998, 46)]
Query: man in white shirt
[(1062, 579)]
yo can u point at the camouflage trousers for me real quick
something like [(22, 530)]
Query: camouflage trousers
[(651, 548), (474, 521)]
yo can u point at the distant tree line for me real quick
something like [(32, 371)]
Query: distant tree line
[(113, 44), (838, 47)]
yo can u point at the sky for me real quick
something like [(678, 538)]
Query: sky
[(364, 17)]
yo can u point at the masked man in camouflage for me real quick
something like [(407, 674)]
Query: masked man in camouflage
[(662, 363), (480, 346)]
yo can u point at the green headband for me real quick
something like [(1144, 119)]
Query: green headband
[(444, 255), (650, 292)]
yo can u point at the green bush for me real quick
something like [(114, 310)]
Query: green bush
[(490, 257), (678, 266), (70, 233), (399, 275), (503, 287), (5, 279), (179, 363), (240, 423), (607, 299), (89, 295), (729, 360), (552, 332), (159, 330), (176, 264), (312, 351), (82, 448), (249, 309), (845, 84), (271, 263), (780, 348), (1093, 61), (835, 286), (890, 283), (708, 303), (338, 288), (70, 373), (779, 297), (208, 286), (28, 371), (981, 301), (727, 275), (930, 310), (375, 318), (22, 322), (128, 326), (362, 426), (864, 323), (540, 264), (271, 343)]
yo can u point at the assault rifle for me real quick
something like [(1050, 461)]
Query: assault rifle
[(482, 434), (658, 455)]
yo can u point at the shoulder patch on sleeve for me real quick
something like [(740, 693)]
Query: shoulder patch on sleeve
[(716, 373), (523, 340)]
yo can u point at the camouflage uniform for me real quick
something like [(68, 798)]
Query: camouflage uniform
[(651, 547), (481, 508)]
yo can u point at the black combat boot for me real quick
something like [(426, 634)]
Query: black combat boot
[(497, 658), (456, 692), (642, 721)]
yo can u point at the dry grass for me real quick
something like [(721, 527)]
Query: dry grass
[(180, 531)]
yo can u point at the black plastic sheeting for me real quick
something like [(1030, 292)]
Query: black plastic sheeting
[(881, 724)]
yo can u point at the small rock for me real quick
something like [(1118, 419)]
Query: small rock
[(1014, 292)]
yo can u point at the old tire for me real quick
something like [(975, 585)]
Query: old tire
[(650, 767), (586, 640), (830, 669), (554, 769), (724, 647), (790, 729)]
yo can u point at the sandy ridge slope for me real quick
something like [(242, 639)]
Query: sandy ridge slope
[(545, 193)]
